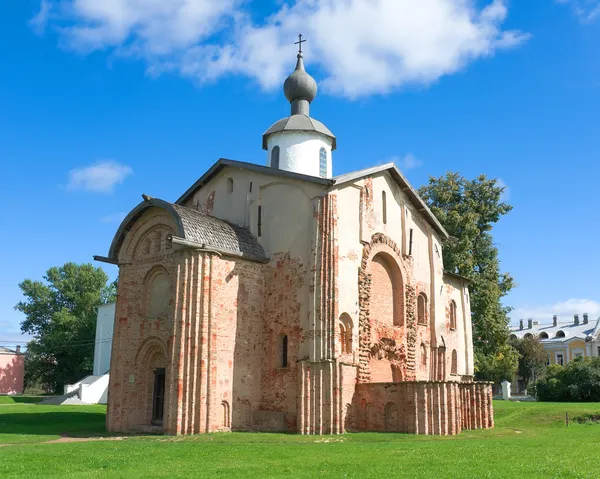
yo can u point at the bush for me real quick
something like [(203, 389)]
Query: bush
[(578, 381)]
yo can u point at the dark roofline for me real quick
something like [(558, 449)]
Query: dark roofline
[(134, 214), (405, 186), (458, 276), (267, 170)]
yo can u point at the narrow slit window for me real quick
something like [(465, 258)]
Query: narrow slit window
[(260, 220), (323, 162), (410, 242), (275, 157), (229, 185), (284, 352), (384, 207)]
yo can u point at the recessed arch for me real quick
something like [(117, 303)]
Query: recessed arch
[(560, 334), (452, 308), (157, 293), (544, 335), (454, 363), (387, 290), (149, 347), (346, 330), (422, 308), (391, 417)]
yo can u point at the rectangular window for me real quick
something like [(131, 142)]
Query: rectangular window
[(559, 359), (259, 220), (410, 239)]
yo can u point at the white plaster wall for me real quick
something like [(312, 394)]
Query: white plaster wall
[(104, 333), (299, 151), (350, 251), (461, 338)]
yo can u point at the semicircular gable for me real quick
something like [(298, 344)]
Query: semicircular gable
[(135, 215)]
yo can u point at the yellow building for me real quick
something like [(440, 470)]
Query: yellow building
[(564, 341)]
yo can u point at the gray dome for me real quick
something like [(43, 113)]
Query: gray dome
[(300, 85)]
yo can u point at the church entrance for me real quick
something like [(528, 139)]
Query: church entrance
[(158, 397)]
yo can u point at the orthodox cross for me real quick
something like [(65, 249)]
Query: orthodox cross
[(299, 43)]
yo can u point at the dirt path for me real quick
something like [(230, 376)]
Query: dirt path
[(64, 439)]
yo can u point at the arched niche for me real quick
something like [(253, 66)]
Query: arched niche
[(387, 291), (157, 294)]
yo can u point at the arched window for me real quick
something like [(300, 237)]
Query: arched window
[(422, 309), (284, 351), (383, 207), (423, 354), (323, 162), (226, 416), (275, 157), (560, 334), (345, 333), (528, 336), (544, 335), (157, 294), (230, 185), (452, 315), (454, 366)]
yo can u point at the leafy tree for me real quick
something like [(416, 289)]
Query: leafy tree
[(60, 314), (532, 358), (468, 209), (577, 381)]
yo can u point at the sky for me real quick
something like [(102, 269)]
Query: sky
[(103, 101)]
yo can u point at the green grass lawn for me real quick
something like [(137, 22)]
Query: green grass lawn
[(530, 440)]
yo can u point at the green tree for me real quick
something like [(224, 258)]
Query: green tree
[(532, 358), (579, 380), (468, 209), (60, 314)]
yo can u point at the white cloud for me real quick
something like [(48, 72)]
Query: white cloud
[(361, 47), (114, 218), (40, 20), (409, 162), (565, 310), (100, 177), (586, 10)]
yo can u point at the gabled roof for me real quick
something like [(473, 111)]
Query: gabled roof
[(197, 229), (405, 186), (4, 350), (571, 330), (215, 169), (393, 170)]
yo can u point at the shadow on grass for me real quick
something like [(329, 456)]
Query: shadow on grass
[(21, 399), (59, 423)]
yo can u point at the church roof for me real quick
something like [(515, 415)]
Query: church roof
[(393, 170), (299, 123), (215, 169), (197, 229), (405, 186)]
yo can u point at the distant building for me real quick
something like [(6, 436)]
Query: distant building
[(563, 341), (12, 370), (94, 389), (104, 333)]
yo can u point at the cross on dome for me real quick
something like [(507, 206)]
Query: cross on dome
[(299, 43)]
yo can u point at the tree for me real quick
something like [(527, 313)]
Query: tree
[(468, 209), (60, 314), (532, 358), (579, 380)]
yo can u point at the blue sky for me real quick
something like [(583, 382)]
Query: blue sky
[(103, 101)]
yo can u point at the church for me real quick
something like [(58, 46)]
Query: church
[(282, 298)]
